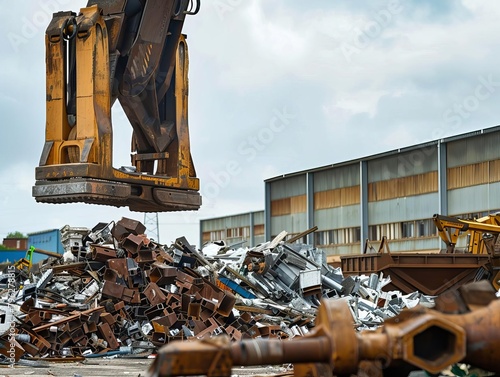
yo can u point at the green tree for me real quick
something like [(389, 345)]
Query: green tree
[(16, 234)]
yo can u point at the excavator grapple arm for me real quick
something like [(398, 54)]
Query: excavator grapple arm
[(127, 50)]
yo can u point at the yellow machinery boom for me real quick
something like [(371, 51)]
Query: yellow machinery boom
[(132, 51), (481, 232), (483, 238), (27, 261)]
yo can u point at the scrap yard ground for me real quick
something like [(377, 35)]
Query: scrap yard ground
[(95, 367), (117, 367), (132, 367)]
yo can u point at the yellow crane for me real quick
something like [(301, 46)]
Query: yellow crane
[(482, 233)]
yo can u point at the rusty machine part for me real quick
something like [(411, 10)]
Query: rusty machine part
[(417, 339), (132, 51), (431, 274), (434, 274)]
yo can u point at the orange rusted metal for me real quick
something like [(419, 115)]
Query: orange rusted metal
[(419, 338), (434, 274), (431, 274)]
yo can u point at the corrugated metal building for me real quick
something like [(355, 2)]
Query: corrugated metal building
[(11, 256), (246, 228), (49, 240), (392, 194)]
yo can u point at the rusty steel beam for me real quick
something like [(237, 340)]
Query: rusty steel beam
[(67, 319), (131, 226), (146, 256), (162, 274), (303, 234), (154, 294), (102, 253), (107, 334), (133, 243)]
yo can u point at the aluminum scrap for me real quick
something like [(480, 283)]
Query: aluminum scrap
[(116, 289), (296, 276)]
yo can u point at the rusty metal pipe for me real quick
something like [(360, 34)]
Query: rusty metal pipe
[(373, 346), (482, 328), (273, 351)]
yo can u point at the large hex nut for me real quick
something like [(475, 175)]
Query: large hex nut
[(431, 343)]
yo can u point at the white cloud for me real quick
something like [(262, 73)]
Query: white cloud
[(360, 102)]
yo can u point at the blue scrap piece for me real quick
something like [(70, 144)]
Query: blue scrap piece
[(236, 287)]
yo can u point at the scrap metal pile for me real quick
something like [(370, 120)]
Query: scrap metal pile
[(115, 290)]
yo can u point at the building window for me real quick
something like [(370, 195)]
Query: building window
[(477, 215), (337, 236), (332, 239), (340, 236), (426, 228), (357, 234), (217, 235), (372, 232), (319, 238), (407, 228)]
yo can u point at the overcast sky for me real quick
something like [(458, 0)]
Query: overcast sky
[(275, 87)]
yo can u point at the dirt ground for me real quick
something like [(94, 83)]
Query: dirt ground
[(123, 367), (137, 367)]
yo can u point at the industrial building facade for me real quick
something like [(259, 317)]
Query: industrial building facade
[(246, 229), (393, 194)]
